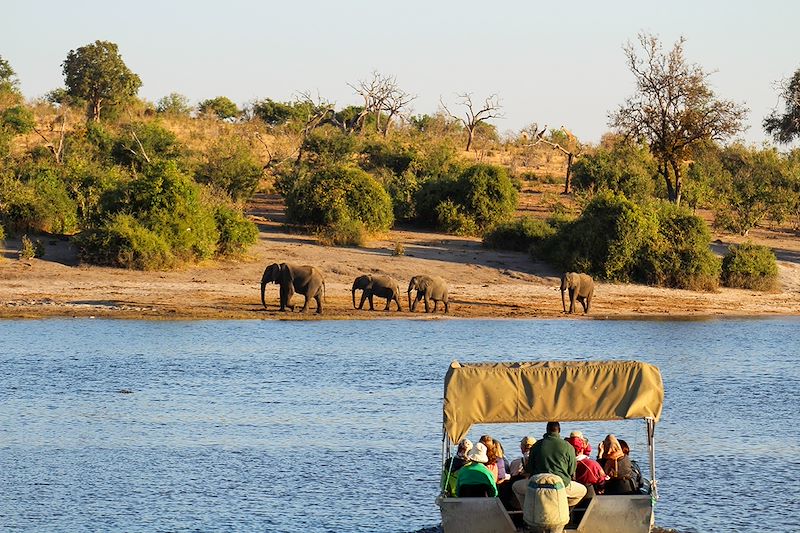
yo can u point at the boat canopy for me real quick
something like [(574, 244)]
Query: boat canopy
[(480, 393)]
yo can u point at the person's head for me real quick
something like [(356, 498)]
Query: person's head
[(610, 448), (624, 446), (587, 448), (464, 447), (526, 444), (487, 440), (576, 443), (553, 427), (478, 453), (498, 447)]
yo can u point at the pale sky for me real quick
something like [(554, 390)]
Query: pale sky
[(556, 63)]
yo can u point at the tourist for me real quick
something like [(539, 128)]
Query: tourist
[(554, 455), (617, 467), (453, 465), (637, 471), (517, 468), (491, 452), (587, 471), (474, 479)]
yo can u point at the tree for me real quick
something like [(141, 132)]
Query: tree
[(222, 106), (97, 73), (8, 78), (472, 116), (381, 96), (174, 104), (785, 127), (673, 109)]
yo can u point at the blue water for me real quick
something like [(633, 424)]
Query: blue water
[(335, 426)]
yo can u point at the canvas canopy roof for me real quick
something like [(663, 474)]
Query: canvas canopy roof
[(550, 390)]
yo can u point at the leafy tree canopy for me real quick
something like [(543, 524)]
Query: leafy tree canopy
[(785, 127), (221, 106), (174, 104), (97, 74)]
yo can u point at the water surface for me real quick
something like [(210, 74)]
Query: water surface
[(336, 426)]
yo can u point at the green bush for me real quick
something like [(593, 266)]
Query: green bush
[(231, 165), (31, 248), (167, 202), (221, 106), (328, 146), (680, 255), (519, 234), (38, 201), (750, 266), (157, 143), (451, 219), (656, 243), (623, 168), (343, 233), (606, 240), (124, 242), (339, 193), (236, 233), (483, 193)]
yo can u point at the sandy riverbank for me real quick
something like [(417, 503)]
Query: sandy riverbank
[(483, 283)]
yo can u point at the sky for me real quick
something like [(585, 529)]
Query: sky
[(554, 63)]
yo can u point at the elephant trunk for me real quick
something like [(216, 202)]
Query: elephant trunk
[(263, 286), (354, 297), (563, 303)]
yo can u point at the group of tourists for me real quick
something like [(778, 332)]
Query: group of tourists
[(482, 469)]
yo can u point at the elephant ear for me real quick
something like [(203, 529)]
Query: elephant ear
[(286, 272)]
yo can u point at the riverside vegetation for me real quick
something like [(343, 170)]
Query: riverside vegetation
[(151, 187)]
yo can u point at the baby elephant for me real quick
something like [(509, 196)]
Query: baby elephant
[(428, 288), (305, 280), (381, 286), (581, 287)]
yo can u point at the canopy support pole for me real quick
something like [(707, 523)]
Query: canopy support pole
[(445, 460), (651, 446)]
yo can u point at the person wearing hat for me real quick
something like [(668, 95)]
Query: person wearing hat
[(474, 479), (453, 465), (617, 466), (518, 465), (587, 470)]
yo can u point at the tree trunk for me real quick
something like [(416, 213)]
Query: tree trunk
[(676, 168), (568, 177), (663, 168), (471, 132), (96, 105)]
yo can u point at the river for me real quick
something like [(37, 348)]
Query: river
[(335, 426)]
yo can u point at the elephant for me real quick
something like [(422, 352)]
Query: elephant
[(381, 286), (305, 280), (428, 288), (581, 287)]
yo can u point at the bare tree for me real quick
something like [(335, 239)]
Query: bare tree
[(475, 116), (569, 146), (673, 109), (381, 94), (56, 148)]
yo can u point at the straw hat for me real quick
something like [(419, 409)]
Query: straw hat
[(576, 434), (478, 454), (527, 442)]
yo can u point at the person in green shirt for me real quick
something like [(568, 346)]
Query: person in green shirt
[(474, 479), (552, 454)]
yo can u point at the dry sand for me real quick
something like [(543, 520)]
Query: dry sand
[(483, 283)]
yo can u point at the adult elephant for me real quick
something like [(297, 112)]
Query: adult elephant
[(305, 280), (381, 286), (429, 289), (580, 287)]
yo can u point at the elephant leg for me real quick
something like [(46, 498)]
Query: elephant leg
[(397, 301), (371, 303), (435, 305), (318, 298), (572, 294), (588, 304), (388, 303), (427, 305), (363, 299), (446, 307)]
